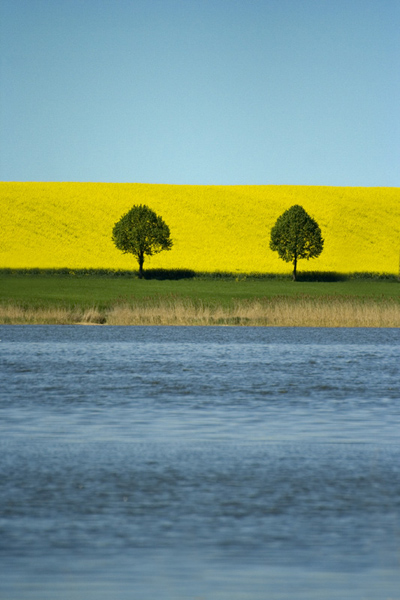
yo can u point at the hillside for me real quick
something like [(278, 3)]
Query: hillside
[(214, 228)]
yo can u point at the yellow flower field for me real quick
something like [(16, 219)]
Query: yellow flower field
[(214, 228)]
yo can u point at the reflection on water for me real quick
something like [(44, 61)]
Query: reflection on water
[(199, 463)]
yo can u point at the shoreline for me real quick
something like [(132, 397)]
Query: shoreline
[(273, 312)]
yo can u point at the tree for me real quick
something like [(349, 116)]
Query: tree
[(142, 233), (296, 235)]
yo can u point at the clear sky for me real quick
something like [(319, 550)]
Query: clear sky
[(303, 92)]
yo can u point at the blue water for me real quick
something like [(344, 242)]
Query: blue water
[(199, 463)]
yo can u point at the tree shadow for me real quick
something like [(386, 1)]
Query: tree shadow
[(327, 276), (174, 274)]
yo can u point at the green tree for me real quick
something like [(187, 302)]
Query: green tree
[(142, 233), (296, 235)]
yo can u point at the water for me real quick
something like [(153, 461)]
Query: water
[(199, 463)]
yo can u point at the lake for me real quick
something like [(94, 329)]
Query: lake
[(199, 463)]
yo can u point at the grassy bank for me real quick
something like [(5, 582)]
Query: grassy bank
[(120, 298)]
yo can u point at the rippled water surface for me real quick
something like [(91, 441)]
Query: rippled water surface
[(199, 463)]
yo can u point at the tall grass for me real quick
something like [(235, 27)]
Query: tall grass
[(289, 312), (14, 314)]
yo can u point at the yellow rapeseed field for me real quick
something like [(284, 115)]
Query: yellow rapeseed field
[(214, 228)]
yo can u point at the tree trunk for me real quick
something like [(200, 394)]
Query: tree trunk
[(295, 269), (141, 261)]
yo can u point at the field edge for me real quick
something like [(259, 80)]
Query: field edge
[(175, 274)]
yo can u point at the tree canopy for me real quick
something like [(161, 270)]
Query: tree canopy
[(142, 233), (296, 235)]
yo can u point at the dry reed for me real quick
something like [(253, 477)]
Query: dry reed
[(12, 314), (288, 312)]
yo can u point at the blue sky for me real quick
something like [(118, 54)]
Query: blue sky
[(303, 92)]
